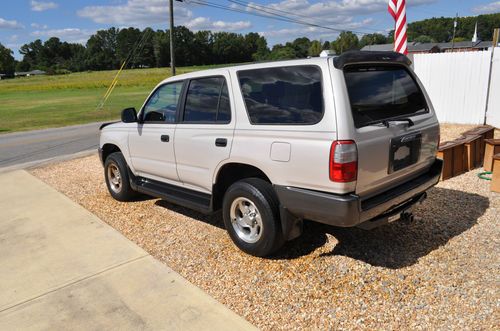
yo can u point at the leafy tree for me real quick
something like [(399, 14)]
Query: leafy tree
[(423, 39), (101, 50), (31, 54), (280, 52), (256, 46), (326, 45), (203, 44), (184, 54), (315, 48), (301, 46), (372, 39), (440, 29), (229, 47), (7, 61), (346, 41), (126, 42), (161, 48)]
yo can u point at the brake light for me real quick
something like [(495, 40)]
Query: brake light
[(343, 161)]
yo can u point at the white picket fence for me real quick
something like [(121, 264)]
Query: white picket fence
[(457, 84)]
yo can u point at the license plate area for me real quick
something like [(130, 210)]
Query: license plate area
[(405, 151)]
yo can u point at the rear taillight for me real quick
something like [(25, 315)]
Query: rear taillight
[(343, 161)]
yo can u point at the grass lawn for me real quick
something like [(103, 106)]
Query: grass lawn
[(29, 103)]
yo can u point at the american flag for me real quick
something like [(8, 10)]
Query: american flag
[(397, 9)]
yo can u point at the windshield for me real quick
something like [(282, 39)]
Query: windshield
[(380, 93)]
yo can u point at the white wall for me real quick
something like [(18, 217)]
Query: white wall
[(493, 114), (457, 84)]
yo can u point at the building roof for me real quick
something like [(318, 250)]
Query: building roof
[(422, 47), (380, 47), (32, 72)]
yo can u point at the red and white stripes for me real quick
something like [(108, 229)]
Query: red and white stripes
[(397, 9)]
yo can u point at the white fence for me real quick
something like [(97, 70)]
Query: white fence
[(457, 84)]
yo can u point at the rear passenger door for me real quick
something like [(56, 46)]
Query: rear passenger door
[(204, 133)]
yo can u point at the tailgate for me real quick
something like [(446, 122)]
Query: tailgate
[(393, 125)]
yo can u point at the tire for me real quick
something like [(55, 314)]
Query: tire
[(258, 232), (117, 178)]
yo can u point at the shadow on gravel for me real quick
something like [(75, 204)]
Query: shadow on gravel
[(445, 214), (215, 219)]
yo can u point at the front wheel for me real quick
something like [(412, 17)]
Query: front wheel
[(117, 178), (251, 216)]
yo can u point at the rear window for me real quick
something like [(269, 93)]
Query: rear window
[(283, 95), (380, 93)]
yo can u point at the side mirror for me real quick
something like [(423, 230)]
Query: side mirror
[(129, 115)]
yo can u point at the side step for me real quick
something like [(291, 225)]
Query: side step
[(195, 200)]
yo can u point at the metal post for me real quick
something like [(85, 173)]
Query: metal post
[(172, 55), (454, 30), (496, 36)]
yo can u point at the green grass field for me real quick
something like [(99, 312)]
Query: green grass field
[(29, 103)]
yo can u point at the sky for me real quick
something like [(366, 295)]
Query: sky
[(23, 21)]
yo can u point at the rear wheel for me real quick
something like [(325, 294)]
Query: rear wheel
[(117, 178), (251, 216)]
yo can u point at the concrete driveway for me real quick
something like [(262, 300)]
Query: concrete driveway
[(63, 268)]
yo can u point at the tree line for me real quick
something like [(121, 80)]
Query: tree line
[(109, 49)]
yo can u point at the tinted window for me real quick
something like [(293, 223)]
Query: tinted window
[(378, 93), (224, 114), (207, 101), (162, 105), (285, 95)]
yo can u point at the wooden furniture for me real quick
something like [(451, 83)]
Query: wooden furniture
[(495, 179), (492, 147), (472, 147), (452, 154), (486, 132)]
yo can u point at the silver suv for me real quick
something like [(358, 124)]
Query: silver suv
[(347, 141)]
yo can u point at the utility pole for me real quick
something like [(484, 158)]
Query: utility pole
[(172, 55), (454, 30)]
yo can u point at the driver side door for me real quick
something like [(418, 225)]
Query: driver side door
[(151, 142)]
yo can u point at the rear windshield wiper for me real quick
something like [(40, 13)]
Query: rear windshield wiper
[(387, 122)]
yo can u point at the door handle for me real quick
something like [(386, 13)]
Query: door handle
[(221, 142), (165, 138)]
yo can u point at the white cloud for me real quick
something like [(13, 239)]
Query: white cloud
[(13, 24), (73, 35), (39, 26), (135, 13), (42, 5), (492, 7), (205, 23), (333, 9)]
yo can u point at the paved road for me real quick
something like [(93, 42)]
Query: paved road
[(32, 147)]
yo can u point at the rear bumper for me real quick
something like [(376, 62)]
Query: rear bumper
[(351, 210)]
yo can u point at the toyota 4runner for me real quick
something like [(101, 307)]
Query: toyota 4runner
[(347, 141)]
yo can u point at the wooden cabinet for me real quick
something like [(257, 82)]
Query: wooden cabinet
[(492, 147)]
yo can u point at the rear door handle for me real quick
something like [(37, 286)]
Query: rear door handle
[(165, 138), (221, 142)]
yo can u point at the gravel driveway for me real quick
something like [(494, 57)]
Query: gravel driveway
[(439, 272)]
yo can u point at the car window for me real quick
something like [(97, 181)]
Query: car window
[(162, 105), (283, 95), (224, 113), (382, 92), (207, 101)]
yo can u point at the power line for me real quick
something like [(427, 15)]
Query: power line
[(274, 16), (266, 8)]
